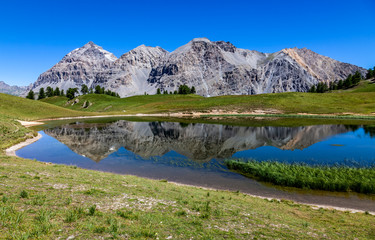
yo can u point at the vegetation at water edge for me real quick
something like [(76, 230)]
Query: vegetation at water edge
[(330, 178)]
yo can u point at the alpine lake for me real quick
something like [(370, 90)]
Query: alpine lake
[(193, 151)]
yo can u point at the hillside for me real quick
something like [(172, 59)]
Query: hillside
[(358, 101), (25, 109), (12, 108)]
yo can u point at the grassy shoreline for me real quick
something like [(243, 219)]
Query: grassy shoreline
[(44, 201), (280, 103), (40, 200), (334, 178), (303, 116)]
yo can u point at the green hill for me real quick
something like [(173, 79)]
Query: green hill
[(359, 101), (25, 109)]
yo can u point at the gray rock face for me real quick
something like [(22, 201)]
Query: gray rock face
[(213, 68), (81, 66), (12, 90), (219, 68), (128, 75), (200, 142)]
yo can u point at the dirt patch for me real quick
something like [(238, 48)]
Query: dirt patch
[(29, 123)]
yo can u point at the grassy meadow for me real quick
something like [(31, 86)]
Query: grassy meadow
[(359, 100), (49, 201)]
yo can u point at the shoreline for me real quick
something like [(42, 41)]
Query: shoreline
[(11, 151), (313, 206), (219, 114)]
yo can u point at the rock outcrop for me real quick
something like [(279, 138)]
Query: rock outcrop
[(213, 68)]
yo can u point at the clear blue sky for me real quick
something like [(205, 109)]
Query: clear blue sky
[(34, 35)]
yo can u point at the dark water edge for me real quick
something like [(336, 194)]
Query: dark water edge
[(209, 171)]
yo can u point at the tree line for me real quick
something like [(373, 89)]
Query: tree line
[(70, 93), (370, 73), (183, 89), (350, 81)]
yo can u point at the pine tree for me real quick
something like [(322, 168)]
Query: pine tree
[(84, 89), (370, 73), (340, 85), (348, 81), (31, 95), (62, 93), (41, 94), (192, 90), (183, 89), (98, 89), (312, 89), (158, 91), (56, 92), (71, 93), (49, 92), (356, 78)]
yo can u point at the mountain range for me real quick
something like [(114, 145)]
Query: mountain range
[(12, 90), (214, 68)]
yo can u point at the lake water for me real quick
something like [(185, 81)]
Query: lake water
[(195, 153)]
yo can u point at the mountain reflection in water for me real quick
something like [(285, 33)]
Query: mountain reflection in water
[(194, 153), (199, 142)]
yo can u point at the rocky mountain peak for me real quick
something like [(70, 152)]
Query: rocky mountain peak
[(226, 46), (90, 52), (143, 54), (203, 39), (212, 67), (90, 44)]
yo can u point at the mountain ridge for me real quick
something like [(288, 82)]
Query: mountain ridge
[(12, 90), (214, 68)]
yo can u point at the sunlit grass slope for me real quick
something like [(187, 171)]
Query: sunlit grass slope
[(289, 103), (25, 109), (13, 108)]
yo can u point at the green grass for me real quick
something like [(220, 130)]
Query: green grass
[(335, 178), (13, 107), (359, 117), (47, 201), (286, 103), (363, 86)]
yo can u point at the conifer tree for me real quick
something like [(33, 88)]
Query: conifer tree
[(84, 89), (41, 94), (49, 92), (31, 95), (56, 92)]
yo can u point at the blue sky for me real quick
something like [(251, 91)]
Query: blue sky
[(34, 35)]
